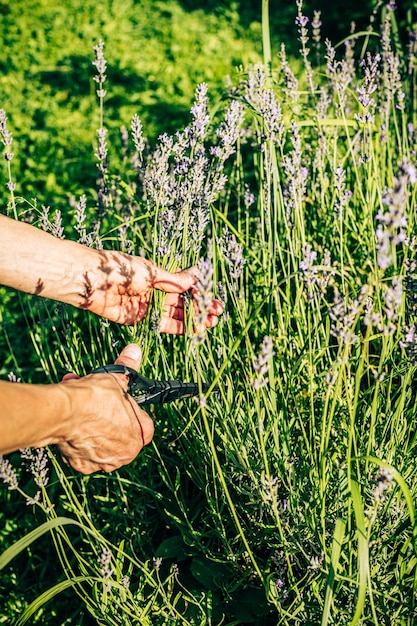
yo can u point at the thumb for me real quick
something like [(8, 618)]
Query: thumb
[(177, 282), (131, 356)]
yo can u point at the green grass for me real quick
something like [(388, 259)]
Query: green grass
[(157, 53), (287, 498)]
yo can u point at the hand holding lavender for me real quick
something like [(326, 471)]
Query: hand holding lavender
[(111, 284)]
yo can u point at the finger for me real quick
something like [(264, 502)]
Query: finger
[(131, 356), (176, 300), (216, 308), (174, 312), (211, 321), (177, 282), (171, 326), (70, 376)]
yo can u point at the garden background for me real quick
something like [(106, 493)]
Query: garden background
[(288, 499)]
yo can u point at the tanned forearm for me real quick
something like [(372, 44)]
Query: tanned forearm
[(34, 261), (32, 415)]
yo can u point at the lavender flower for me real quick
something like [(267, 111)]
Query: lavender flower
[(343, 195), (201, 119), (316, 561), (138, 140), (313, 275), (340, 74), (104, 562), (412, 51), (157, 561), (409, 343), (101, 66), (391, 77), (370, 66), (57, 228), (410, 284), (393, 301), (249, 197), (5, 136), (158, 182), (38, 464), (101, 151), (290, 81), (263, 101), (261, 363), (125, 582), (8, 474), (270, 488), (228, 131), (203, 296), (44, 219), (232, 251), (80, 219), (344, 315), (296, 174), (13, 378), (301, 21), (383, 482), (391, 229), (279, 563), (316, 25)]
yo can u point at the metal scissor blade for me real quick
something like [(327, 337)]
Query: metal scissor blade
[(164, 391)]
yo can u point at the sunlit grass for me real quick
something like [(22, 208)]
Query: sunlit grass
[(288, 496)]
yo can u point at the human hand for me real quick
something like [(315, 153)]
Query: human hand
[(107, 429), (119, 289)]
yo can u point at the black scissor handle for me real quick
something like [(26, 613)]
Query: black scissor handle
[(147, 391)]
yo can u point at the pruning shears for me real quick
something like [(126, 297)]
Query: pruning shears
[(147, 391)]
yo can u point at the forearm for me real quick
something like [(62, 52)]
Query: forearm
[(32, 415), (36, 262)]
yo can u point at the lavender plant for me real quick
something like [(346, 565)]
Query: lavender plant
[(288, 496)]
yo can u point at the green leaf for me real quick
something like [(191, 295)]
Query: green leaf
[(172, 548), (338, 535), (47, 595), (23, 543), (210, 574), (363, 551)]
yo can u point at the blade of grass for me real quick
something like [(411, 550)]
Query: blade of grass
[(339, 532)]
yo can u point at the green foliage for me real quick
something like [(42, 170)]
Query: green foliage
[(156, 53), (288, 497)]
